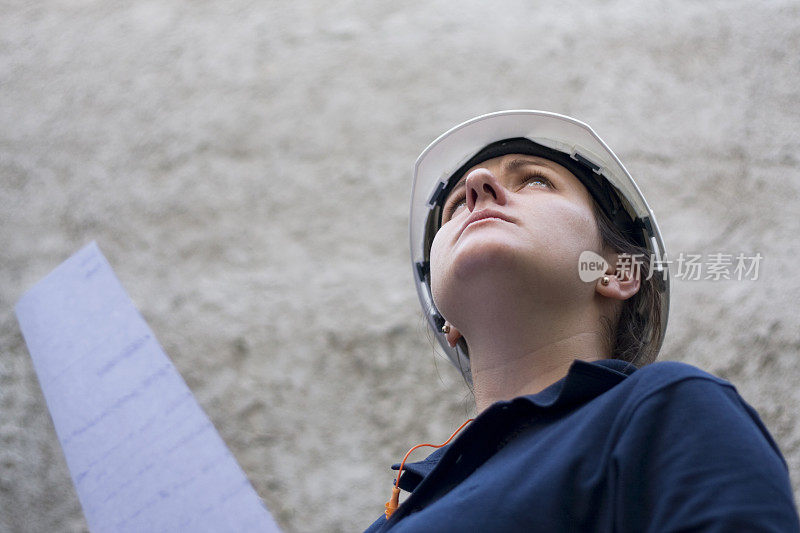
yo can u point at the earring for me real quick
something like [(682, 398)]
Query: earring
[(446, 328), (605, 280)]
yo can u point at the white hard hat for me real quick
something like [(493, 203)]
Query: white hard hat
[(562, 139)]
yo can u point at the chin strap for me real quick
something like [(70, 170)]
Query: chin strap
[(393, 503)]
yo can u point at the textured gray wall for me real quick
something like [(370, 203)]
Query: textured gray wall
[(246, 169)]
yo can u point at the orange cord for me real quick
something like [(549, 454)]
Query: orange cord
[(393, 503)]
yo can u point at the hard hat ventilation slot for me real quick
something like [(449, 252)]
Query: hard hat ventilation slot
[(438, 194), (586, 162), (423, 269)]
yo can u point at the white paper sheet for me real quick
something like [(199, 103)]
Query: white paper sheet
[(142, 453)]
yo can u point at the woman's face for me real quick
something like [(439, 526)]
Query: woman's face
[(539, 219)]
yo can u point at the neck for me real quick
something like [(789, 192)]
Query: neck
[(526, 352)]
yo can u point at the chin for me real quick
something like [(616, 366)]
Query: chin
[(478, 258), (469, 273), (493, 266)]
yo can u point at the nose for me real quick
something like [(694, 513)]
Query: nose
[(482, 187)]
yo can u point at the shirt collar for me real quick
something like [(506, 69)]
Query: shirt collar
[(583, 382)]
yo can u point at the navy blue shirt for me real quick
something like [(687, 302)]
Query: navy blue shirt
[(607, 448)]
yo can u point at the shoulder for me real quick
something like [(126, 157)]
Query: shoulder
[(672, 378), (665, 373), (671, 384), (690, 452), (686, 396), (671, 398)]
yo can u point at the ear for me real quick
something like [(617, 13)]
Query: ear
[(622, 284), (453, 336)]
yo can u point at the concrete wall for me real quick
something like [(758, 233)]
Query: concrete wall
[(245, 166)]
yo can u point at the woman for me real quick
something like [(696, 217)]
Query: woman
[(576, 430)]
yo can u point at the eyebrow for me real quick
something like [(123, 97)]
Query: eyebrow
[(510, 166)]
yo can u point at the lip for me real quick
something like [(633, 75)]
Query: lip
[(481, 215)]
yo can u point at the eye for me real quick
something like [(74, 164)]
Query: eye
[(538, 180), (453, 204)]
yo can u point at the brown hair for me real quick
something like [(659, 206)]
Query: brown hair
[(636, 333)]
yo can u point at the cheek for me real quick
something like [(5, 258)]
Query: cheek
[(438, 261), (571, 230), (443, 255)]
